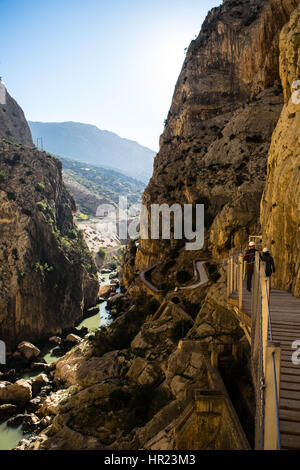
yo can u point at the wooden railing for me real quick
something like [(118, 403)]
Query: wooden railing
[(265, 352)]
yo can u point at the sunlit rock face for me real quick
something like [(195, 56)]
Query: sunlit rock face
[(280, 208), (47, 276), (13, 125), (225, 107), (214, 149)]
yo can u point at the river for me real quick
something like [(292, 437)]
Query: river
[(9, 437)]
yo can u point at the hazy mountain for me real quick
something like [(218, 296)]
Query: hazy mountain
[(89, 144)]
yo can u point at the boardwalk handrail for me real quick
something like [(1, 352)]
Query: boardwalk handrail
[(266, 351), (276, 401)]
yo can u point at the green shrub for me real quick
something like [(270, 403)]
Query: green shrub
[(183, 276), (66, 242), (2, 176), (42, 269), (102, 253), (41, 206), (72, 234), (113, 265), (21, 275), (40, 187)]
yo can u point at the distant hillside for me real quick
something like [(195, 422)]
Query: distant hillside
[(91, 185), (89, 144)]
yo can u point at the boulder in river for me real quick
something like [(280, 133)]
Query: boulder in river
[(42, 366), (29, 422), (73, 338), (81, 331), (7, 410), (28, 350), (104, 291), (91, 311), (16, 421), (18, 393), (33, 405), (55, 339), (38, 382), (120, 301), (10, 375)]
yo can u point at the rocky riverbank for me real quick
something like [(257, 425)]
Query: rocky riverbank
[(29, 377)]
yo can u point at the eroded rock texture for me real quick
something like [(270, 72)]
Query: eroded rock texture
[(280, 208), (47, 276), (13, 124), (226, 104)]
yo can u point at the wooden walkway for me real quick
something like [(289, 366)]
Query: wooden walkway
[(285, 323)]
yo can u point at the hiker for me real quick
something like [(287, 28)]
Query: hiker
[(250, 260), (269, 264)]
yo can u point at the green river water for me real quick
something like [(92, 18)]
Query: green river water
[(9, 437)]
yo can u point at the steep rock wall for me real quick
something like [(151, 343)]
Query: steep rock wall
[(47, 276), (13, 124), (280, 207), (225, 107)]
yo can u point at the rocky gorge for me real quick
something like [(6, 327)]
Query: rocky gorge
[(231, 142)]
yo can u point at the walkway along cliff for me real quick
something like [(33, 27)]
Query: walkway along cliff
[(231, 141)]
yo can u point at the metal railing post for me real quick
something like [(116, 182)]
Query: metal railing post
[(231, 274), (240, 280), (228, 278), (272, 387)]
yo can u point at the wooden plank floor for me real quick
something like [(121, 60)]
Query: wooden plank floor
[(246, 300), (285, 321)]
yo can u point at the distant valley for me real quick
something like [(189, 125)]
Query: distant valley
[(87, 143), (91, 185)]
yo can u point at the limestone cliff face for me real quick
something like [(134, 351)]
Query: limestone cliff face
[(226, 104), (47, 276), (13, 125), (280, 208), (214, 149)]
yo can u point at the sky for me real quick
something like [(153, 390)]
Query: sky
[(111, 63)]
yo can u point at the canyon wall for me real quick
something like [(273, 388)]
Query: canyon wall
[(47, 276), (226, 104), (280, 207), (214, 150)]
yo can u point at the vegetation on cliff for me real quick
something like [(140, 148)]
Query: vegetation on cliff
[(47, 275)]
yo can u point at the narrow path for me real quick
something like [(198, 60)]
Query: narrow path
[(145, 281), (199, 271), (285, 325), (285, 321)]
